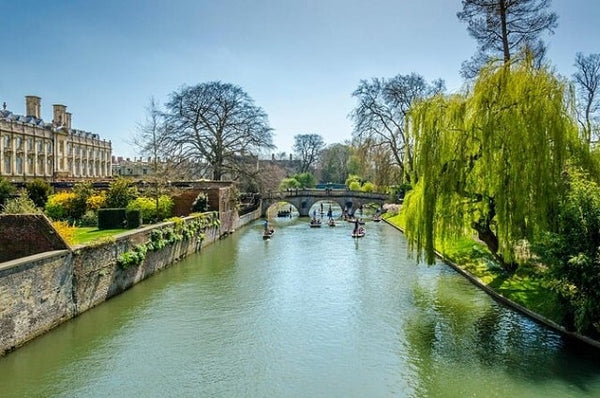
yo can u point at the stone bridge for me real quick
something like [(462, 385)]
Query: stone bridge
[(304, 199)]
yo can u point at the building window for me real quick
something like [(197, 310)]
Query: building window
[(30, 168), (7, 164), (30, 144), (6, 141), (40, 165), (19, 165), (40, 145), (19, 143)]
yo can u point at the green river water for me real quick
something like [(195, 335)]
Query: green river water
[(310, 313)]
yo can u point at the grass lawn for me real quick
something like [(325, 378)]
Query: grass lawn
[(89, 234), (525, 286)]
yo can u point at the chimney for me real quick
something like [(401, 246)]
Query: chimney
[(68, 120), (59, 115), (32, 106)]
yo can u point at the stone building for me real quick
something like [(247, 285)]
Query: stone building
[(31, 148)]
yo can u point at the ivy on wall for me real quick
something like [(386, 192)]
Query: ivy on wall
[(161, 237)]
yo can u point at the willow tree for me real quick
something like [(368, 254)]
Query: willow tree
[(489, 162)]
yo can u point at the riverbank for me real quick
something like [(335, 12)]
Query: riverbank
[(41, 291), (524, 290)]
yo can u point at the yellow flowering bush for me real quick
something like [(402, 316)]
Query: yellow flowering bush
[(59, 205), (65, 230)]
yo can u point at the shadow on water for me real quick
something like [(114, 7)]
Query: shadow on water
[(454, 332)]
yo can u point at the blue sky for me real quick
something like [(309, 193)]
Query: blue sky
[(299, 60)]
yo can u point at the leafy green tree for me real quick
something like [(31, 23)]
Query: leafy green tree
[(120, 192), (306, 180), (368, 187), (353, 178), (354, 186), (572, 253), (289, 183), (6, 191), (490, 161), (38, 191)]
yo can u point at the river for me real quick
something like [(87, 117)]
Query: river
[(309, 313)]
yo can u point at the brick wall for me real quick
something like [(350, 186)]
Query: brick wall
[(25, 235)]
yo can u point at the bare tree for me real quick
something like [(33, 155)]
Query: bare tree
[(381, 114), (151, 136), (335, 163), (217, 126), (505, 27), (308, 147), (587, 81)]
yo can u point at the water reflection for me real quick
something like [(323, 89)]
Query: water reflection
[(311, 312), (455, 334)]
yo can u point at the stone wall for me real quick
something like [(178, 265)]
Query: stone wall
[(35, 296), (27, 234), (39, 292), (97, 277)]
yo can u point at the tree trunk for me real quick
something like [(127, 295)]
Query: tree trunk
[(505, 48), (487, 236)]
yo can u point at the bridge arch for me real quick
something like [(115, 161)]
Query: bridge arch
[(304, 199)]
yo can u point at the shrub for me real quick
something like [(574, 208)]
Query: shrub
[(148, 209), (353, 178), (20, 205), (111, 218), (89, 219), (82, 191), (368, 187), (65, 230), (96, 201), (134, 218), (120, 193), (288, 183), (6, 191), (38, 191), (354, 186), (58, 206), (200, 205)]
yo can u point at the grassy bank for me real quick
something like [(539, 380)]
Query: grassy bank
[(90, 234), (525, 287)]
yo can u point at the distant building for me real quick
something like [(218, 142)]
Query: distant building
[(132, 168), (140, 168), (31, 148)]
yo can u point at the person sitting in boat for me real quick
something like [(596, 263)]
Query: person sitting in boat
[(355, 226), (266, 225)]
